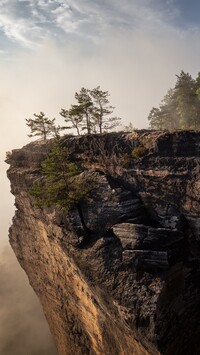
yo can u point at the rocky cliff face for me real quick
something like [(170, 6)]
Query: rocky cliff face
[(120, 273)]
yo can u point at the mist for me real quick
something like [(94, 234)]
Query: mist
[(23, 328), (136, 68), (136, 65)]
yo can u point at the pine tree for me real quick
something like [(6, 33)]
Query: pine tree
[(156, 119), (92, 112), (185, 92), (180, 108), (101, 111), (59, 184), (42, 126), (85, 108), (74, 117)]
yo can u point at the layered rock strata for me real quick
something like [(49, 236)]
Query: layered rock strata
[(119, 274)]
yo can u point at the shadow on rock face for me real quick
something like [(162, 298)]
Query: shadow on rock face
[(23, 328)]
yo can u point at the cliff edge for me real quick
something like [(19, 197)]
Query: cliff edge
[(119, 273)]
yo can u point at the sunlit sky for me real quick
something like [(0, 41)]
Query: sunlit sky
[(49, 49)]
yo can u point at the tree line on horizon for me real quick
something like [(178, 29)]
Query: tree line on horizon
[(92, 114), (180, 107)]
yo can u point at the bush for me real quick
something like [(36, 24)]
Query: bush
[(138, 152)]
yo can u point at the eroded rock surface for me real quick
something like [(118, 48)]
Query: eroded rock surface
[(120, 273)]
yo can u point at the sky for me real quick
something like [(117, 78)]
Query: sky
[(49, 49)]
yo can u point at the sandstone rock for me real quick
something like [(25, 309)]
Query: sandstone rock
[(120, 273), (109, 203), (135, 236), (146, 259)]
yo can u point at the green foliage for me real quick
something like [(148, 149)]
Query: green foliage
[(101, 111), (61, 183), (73, 117), (92, 112), (42, 126), (125, 160), (180, 108), (138, 152), (85, 106)]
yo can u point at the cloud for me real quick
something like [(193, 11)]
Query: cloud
[(132, 48), (29, 23), (21, 319)]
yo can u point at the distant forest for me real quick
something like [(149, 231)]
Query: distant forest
[(180, 107)]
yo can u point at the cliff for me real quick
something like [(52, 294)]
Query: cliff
[(119, 274)]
